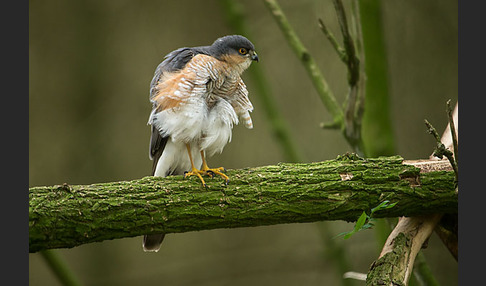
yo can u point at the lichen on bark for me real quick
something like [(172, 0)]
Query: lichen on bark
[(65, 216)]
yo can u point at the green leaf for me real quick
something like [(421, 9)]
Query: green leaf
[(360, 222), (384, 205), (365, 221), (358, 226), (366, 226)]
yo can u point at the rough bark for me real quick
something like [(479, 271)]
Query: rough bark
[(395, 264), (396, 261), (65, 216)]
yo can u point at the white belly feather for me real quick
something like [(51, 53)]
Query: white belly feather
[(212, 97), (216, 132), (205, 129)]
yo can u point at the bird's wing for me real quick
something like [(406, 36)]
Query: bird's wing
[(157, 145), (182, 98), (173, 62)]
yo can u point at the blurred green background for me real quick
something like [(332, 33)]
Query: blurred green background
[(90, 65)]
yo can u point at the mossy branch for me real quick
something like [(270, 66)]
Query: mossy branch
[(65, 216), (396, 261)]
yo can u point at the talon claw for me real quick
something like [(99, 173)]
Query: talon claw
[(205, 170)]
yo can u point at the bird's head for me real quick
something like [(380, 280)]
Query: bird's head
[(236, 50)]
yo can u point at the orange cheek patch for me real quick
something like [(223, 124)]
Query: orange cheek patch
[(233, 59)]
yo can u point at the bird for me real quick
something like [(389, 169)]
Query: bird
[(197, 96)]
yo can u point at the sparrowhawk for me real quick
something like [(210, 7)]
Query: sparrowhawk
[(197, 95)]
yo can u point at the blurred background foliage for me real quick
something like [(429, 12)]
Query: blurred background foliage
[(90, 65)]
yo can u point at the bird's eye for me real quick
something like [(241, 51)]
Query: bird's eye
[(243, 51)]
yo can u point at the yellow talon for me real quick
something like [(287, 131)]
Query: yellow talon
[(215, 171), (205, 170), (197, 173)]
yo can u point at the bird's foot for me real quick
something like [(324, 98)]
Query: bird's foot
[(211, 172), (197, 173), (216, 171)]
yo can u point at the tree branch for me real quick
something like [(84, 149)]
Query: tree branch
[(377, 123), (450, 134), (395, 263), (235, 17), (353, 112), (65, 216), (322, 88), (60, 269), (332, 39), (441, 150)]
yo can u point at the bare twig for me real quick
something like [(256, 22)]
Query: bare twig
[(367, 27), (447, 232), (422, 273), (453, 128), (352, 60), (330, 36), (236, 19), (59, 268), (355, 100), (354, 107), (414, 231), (355, 275), (447, 227), (360, 58), (321, 85), (349, 120), (441, 149), (357, 29)]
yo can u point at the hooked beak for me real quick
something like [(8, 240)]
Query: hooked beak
[(254, 56)]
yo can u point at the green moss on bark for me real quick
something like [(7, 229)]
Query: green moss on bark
[(69, 215)]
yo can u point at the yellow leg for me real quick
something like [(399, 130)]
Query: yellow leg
[(210, 171), (194, 170), (205, 170)]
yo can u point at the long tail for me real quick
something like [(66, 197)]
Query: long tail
[(152, 242)]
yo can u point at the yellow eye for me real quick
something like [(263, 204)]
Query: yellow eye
[(243, 51)]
